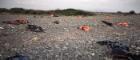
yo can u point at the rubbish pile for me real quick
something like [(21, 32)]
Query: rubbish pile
[(119, 50), (35, 28), (123, 24), (16, 22)]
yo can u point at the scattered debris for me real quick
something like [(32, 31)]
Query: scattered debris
[(35, 28), (119, 50), (18, 57), (108, 23), (16, 22), (1, 28), (85, 28), (124, 24)]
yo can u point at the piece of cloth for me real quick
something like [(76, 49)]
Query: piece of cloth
[(35, 28)]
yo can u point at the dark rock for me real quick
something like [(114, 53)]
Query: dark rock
[(18, 57), (56, 22), (134, 56)]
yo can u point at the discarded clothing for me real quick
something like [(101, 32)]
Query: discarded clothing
[(124, 24), (119, 50), (116, 47), (108, 23), (16, 22), (35, 28), (85, 28), (18, 57)]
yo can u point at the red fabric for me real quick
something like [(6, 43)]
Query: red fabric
[(125, 24), (85, 28)]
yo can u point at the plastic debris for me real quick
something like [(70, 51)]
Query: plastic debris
[(16, 22), (124, 24), (85, 28), (35, 28), (108, 23), (18, 57)]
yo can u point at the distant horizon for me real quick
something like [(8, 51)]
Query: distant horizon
[(86, 5), (72, 8)]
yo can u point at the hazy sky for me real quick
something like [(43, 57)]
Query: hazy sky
[(90, 5)]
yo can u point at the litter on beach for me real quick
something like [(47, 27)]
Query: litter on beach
[(84, 28), (123, 24), (108, 23), (16, 22), (35, 28)]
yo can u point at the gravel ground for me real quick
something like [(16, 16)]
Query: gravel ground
[(64, 41)]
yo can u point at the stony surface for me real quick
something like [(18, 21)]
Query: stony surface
[(64, 41)]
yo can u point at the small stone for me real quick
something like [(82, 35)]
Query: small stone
[(67, 43), (138, 48), (65, 28), (7, 44), (56, 55), (64, 48), (133, 46), (35, 38), (92, 54), (56, 22), (1, 28)]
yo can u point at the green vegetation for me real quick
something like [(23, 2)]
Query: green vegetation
[(66, 12), (132, 12)]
